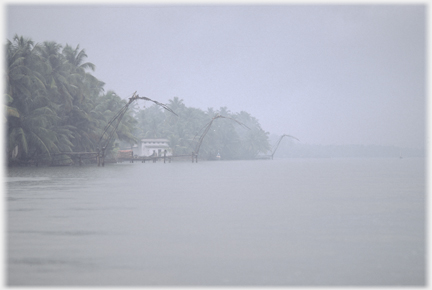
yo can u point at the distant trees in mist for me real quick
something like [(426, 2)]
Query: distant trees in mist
[(54, 104), (228, 138), (291, 149)]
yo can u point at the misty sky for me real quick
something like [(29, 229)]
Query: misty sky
[(328, 74)]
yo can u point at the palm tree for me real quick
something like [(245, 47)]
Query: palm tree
[(38, 78), (109, 105), (23, 80), (55, 105), (75, 60), (59, 78), (151, 122), (254, 141), (176, 105), (26, 95)]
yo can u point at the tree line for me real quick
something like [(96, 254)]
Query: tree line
[(55, 105), (225, 137)]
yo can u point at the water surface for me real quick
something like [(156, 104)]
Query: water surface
[(287, 222)]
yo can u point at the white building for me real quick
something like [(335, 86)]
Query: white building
[(148, 147)]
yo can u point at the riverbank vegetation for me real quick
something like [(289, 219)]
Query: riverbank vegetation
[(225, 137), (54, 105)]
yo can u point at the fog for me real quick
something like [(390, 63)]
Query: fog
[(328, 74)]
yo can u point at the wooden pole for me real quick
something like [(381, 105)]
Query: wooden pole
[(103, 157)]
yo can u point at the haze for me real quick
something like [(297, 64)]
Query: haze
[(328, 74)]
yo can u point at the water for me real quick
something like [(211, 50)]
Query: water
[(287, 222)]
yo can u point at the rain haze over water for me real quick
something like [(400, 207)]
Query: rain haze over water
[(327, 74), (285, 222), (346, 80)]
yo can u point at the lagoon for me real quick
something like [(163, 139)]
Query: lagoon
[(282, 222)]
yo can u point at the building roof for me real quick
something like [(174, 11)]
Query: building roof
[(154, 140), (157, 146)]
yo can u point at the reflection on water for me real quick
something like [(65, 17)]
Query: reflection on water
[(310, 222)]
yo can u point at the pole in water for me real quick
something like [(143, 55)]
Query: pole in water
[(98, 158), (103, 156)]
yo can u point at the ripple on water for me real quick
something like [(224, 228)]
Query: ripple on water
[(18, 179), (45, 262), (63, 233)]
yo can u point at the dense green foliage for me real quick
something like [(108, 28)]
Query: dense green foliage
[(225, 136), (53, 105)]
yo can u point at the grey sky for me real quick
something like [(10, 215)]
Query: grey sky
[(327, 74)]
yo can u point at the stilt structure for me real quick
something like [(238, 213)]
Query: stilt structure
[(280, 139), (206, 129), (112, 125)]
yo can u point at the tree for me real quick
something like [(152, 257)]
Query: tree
[(54, 105)]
